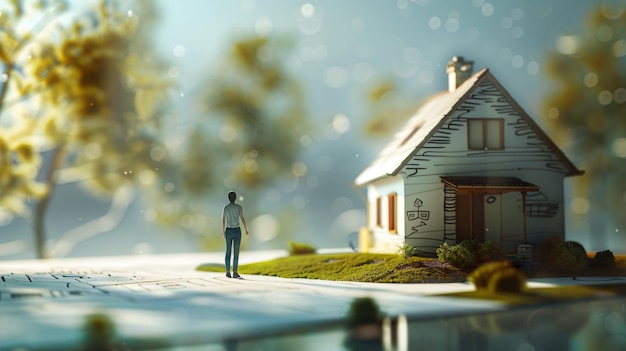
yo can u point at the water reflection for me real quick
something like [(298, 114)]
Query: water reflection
[(587, 325)]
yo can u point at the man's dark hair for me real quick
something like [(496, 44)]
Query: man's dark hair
[(232, 196)]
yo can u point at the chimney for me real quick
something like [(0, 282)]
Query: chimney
[(458, 71)]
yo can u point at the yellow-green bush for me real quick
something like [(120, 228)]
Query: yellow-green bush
[(498, 276), (508, 280), (300, 248)]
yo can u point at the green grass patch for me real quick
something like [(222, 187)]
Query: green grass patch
[(357, 267)]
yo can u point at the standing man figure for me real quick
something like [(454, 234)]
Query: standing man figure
[(232, 232)]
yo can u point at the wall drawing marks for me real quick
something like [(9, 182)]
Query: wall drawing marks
[(418, 215)]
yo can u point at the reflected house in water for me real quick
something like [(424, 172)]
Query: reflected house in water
[(470, 164)]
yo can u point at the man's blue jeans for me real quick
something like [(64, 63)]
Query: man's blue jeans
[(233, 239)]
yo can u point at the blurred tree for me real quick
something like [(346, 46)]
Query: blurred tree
[(259, 110), (587, 109), (388, 108), (250, 128), (78, 103)]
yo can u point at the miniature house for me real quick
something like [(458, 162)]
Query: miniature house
[(470, 164)]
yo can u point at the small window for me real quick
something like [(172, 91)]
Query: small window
[(379, 211), (485, 133), (393, 212)]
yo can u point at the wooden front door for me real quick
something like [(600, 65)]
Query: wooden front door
[(470, 216)]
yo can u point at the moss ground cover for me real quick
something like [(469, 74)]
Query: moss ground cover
[(378, 268)]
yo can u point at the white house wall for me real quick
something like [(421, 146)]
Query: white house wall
[(383, 240), (445, 153)]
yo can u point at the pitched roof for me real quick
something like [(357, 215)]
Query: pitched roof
[(427, 121)]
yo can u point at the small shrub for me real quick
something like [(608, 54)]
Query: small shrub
[(407, 251), (576, 246), (491, 251), (363, 311), (547, 246), (443, 252), (603, 260), (509, 280), (468, 253), (498, 276), (568, 258), (464, 255), (300, 248), (480, 276)]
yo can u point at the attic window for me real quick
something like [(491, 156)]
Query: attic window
[(412, 133), (485, 133)]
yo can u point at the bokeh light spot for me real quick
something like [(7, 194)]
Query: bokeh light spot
[(605, 97), (517, 32), (93, 151), (228, 134), (179, 51), (299, 169), (402, 4), (307, 10), (251, 166), (452, 25), (579, 205), (265, 227), (305, 140), (517, 14), (619, 48), (567, 44), (150, 215), (169, 187), (478, 3), (506, 23), (619, 96), (146, 177), (604, 33), (404, 69), (312, 182), (619, 147), (336, 77), (487, 9), (263, 26), (591, 79), (411, 54), (173, 72), (532, 68), (358, 24), (157, 153), (553, 113), (517, 61), (265, 54), (614, 322), (341, 123), (434, 23)]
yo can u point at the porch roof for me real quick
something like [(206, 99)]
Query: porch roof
[(489, 183)]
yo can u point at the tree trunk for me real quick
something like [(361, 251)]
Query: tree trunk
[(41, 208)]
